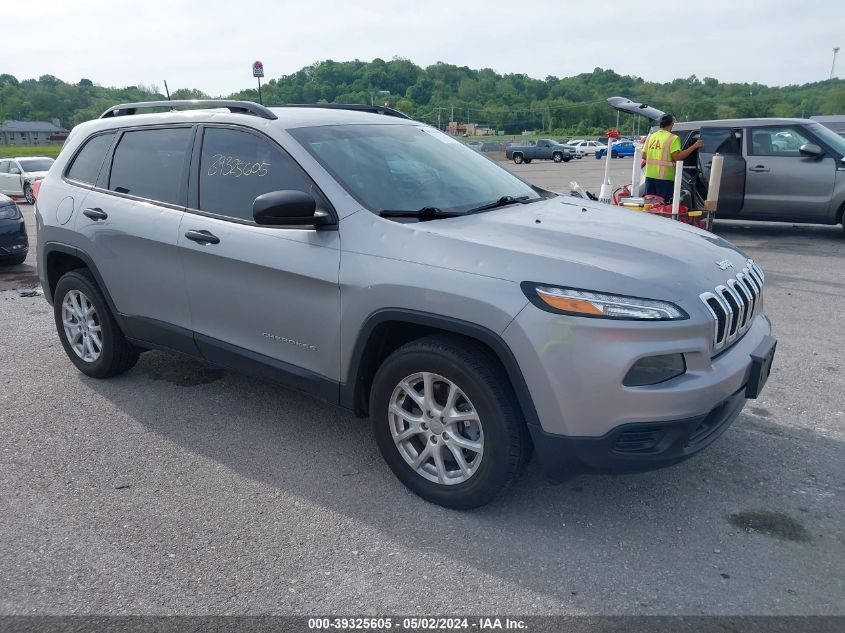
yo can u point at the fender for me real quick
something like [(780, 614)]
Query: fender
[(58, 247), (350, 398)]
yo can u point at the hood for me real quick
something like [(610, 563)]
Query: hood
[(574, 242), (631, 107)]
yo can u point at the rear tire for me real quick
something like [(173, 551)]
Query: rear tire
[(27, 193), (527, 161), (87, 329), (448, 377)]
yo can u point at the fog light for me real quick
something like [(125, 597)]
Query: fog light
[(655, 369)]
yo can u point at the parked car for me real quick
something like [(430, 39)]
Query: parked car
[(379, 264), (587, 148), (788, 170), (576, 153), (623, 148), (14, 243), (476, 146), (17, 175), (544, 149)]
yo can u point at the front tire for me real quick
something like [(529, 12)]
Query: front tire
[(614, 154), (517, 158), (557, 157), (87, 329), (447, 422)]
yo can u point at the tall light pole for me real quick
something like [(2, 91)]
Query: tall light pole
[(833, 65)]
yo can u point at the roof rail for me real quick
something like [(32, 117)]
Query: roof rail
[(241, 107), (358, 107)]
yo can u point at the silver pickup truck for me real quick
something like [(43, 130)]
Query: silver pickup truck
[(544, 149)]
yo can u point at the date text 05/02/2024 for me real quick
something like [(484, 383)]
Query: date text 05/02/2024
[(418, 624)]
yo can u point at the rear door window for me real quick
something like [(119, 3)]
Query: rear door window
[(152, 164), (720, 140), (4, 166), (88, 162), (236, 167)]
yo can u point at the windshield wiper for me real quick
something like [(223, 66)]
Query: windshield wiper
[(426, 213), (503, 202)]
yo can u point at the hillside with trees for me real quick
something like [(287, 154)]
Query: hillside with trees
[(510, 102)]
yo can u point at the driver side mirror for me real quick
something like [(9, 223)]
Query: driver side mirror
[(288, 208), (811, 150)]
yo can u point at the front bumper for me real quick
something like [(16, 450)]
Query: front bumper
[(13, 239), (575, 367), (637, 446)]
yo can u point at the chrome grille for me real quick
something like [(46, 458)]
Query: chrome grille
[(734, 305)]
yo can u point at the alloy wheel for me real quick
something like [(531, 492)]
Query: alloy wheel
[(82, 326), (436, 428)]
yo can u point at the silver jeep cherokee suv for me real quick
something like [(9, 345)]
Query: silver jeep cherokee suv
[(379, 264)]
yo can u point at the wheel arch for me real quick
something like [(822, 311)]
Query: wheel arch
[(61, 258), (386, 330), (840, 214)]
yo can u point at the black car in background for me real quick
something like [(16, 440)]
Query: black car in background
[(14, 242)]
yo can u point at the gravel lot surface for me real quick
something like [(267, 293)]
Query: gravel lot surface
[(180, 488)]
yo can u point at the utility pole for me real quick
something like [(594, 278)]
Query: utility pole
[(833, 65)]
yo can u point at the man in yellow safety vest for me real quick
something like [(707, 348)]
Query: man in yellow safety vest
[(661, 150)]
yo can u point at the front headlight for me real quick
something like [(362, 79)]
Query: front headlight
[(10, 212), (599, 305)]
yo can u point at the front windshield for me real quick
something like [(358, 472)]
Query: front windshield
[(35, 164), (408, 167), (836, 142)]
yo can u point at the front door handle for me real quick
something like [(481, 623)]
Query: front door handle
[(202, 237), (95, 214), (759, 168)]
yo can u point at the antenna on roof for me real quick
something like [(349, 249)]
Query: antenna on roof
[(167, 90)]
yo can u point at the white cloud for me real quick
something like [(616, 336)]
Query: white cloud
[(211, 44)]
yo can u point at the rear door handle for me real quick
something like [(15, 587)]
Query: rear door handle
[(759, 168), (202, 237), (95, 214)]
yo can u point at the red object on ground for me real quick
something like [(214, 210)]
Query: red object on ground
[(659, 207)]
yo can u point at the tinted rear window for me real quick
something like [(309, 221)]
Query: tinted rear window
[(152, 164), (86, 166)]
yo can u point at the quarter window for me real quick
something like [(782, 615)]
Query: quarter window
[(236, 167), (86, 166), (776, 141), (152, 164)]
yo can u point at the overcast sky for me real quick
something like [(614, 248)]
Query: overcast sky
[(211, 44)]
